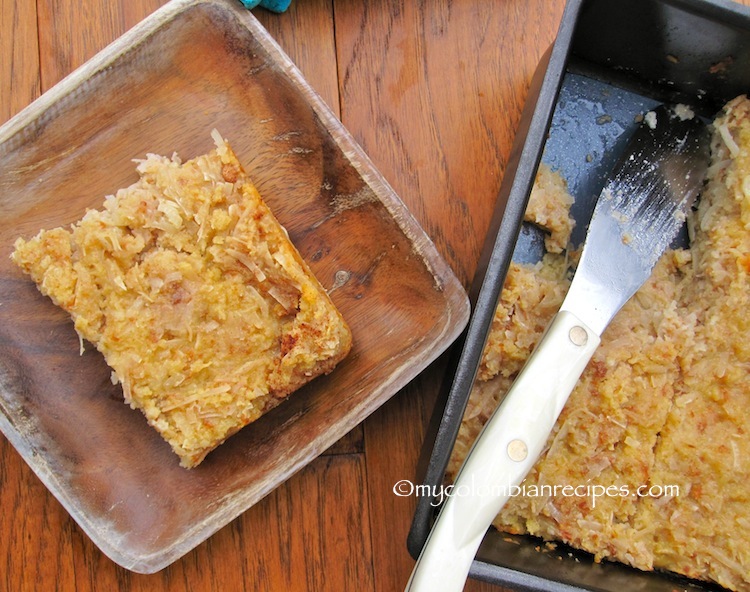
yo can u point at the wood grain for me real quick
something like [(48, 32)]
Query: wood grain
[(65, 42), (19, 57), (306, 32), (437, 106)]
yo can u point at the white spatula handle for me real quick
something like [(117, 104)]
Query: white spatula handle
[(503, 454)]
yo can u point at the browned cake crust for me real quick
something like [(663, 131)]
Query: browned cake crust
[(664, 403), (192, 291)]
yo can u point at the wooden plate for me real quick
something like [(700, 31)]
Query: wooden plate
[(192, 66)]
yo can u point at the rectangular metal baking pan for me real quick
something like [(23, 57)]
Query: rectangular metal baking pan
[(612, 59)]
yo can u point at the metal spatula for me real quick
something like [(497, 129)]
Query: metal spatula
[(637, 215)]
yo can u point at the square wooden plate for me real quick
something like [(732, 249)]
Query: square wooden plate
[(195, 65)]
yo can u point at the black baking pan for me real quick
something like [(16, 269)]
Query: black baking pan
[(612, 60)]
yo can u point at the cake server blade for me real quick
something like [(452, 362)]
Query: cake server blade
[(638, 213)]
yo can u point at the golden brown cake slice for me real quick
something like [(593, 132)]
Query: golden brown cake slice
[(192, 291)]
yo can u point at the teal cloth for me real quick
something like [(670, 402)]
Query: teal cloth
[(274, 5)]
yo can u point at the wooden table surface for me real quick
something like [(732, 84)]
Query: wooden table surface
[(433, 91)]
